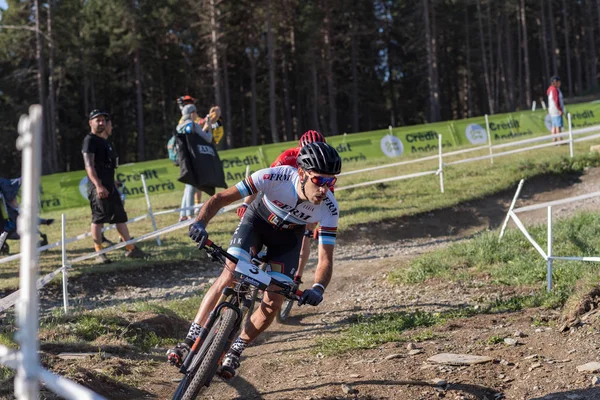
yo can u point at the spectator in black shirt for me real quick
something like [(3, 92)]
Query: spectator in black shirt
[(107, 207)]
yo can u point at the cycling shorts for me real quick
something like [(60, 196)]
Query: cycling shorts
[(283, 245)]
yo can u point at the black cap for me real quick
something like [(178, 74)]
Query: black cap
[(95, 113), (555, 78)]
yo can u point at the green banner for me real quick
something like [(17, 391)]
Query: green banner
[(65, 190)]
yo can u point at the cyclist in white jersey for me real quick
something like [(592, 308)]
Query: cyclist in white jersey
[(288, 200)]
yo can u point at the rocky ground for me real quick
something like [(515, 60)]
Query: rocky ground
[(532, 359)]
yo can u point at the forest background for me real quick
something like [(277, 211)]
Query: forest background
[(279, 67)]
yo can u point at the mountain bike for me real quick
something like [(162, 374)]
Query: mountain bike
[(224, 322), (262, 262)]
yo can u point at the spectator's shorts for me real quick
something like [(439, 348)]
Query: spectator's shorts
[(557, 122), (283, 245), (109, 210)]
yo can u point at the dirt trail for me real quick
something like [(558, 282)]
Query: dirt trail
[(282, 364)]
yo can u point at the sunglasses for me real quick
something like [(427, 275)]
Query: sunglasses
[(322, 180)]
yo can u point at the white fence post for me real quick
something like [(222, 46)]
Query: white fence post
[(247, 171), (150, 207), (543, 104), (64, 263), (487, 128), (30, 143), (570, 134), (533, 106), (549, 272), (441, 164), (512, 206)]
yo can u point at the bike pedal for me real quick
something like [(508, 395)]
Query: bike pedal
[(174, 360), (226, 372)]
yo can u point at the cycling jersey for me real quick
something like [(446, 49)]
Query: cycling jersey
[(280, 204), (288, 157)]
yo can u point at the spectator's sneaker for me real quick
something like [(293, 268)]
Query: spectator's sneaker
[(135, 253), (230, 363), (176, 356), (102, 259)]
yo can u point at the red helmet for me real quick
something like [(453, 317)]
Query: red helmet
[(185, 100), (311, 137)]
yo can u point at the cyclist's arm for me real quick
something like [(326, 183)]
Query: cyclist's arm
[(325, 265), (305, 250), (216, 202)]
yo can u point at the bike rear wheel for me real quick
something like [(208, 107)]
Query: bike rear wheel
[(285, 310), (211, 353)]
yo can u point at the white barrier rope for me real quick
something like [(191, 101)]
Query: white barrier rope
[(556, 202), (10, 300)]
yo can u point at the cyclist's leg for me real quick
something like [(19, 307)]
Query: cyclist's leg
[(283, 252), (244, 245)]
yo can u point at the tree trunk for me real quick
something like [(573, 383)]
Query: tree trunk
[(568, 46), (229, 140), (591, 53), (41, 78), (486, 75), (315, 101), (432, 71), (493, 82), (544, 41), (244, 133), (139, 99), (354, 67), (141, 138), (469, 101), (520, 57), (272, 91), (287, 106), (553, 39), (526, 56), (510, 70), (253, 99), (52, 147), (578, 66), (214, 30), (331, 89)]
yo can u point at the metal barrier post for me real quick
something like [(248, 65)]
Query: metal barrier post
[(64, 264), (570, 134), (441, 164), (512, 206), (549, 272), (487, 128), (30, 143), (150, 207)]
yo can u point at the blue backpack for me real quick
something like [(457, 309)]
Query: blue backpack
[(173, 150)]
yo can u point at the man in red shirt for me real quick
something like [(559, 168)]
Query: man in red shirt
[(290, 157)]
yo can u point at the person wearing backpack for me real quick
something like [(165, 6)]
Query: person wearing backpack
[(188, 126)]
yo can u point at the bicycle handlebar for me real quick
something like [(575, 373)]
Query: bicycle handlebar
[(220, 253)]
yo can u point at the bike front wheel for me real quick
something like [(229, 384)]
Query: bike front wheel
[(285, 310), (211, 353)]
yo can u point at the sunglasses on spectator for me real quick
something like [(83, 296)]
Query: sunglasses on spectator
[(322, 180)]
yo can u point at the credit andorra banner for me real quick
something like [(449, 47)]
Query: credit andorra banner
[(66, 190)]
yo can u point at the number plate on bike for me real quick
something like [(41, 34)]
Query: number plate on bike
[(251, 274)]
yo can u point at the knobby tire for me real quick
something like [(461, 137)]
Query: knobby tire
[(285, 310), (215, 345)]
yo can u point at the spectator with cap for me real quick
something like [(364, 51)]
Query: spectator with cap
[(556, 107), (100, 163), (188, 126)]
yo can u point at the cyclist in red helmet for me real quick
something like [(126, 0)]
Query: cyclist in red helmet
[(290, 157)]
